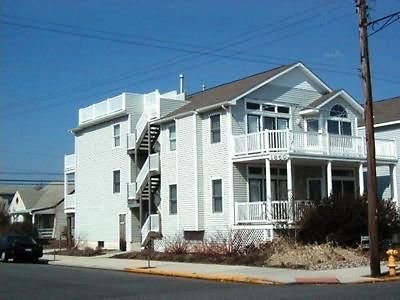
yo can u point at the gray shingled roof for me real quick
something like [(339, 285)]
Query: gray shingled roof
[(387, 110), (226, 92), (322, 99), (52, 195), (30, 195)]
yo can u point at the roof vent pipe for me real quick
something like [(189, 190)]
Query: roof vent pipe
[(181, 88), (203, 87)]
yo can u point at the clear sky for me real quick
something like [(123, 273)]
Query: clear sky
[(102, 48)]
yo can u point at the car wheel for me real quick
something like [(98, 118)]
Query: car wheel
[(3, 256)]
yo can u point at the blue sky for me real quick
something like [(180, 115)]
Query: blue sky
[(46, 76)]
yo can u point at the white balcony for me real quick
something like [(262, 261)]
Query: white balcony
[(151, 165), (309, 143), (104, 109), (259, 212), (70, 202), (69, 163)]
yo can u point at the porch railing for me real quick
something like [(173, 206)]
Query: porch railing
[(152, 164), (152, 224), (324, 144), (102, 109), (69, 162), (45, 233), (282, 211)]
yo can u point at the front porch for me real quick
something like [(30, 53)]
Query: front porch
[(276, 192)]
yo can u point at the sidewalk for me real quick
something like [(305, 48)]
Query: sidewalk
[(261, 275)]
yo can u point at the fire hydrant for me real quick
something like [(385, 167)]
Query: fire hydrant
[(392, 263)]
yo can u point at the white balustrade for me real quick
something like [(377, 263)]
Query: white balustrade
[(250, 212), (102, 109), (69, 162), (131, 190), (152, 164), (131, 140), (70, 201), (152, 224), (323, 144), (141, 125)]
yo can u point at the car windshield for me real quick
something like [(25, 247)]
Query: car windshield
[(21, 239)]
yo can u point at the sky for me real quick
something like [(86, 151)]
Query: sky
[(59, 56)]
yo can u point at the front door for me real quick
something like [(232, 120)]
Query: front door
[(122, 232)]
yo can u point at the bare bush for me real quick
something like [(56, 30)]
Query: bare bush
[(176, 245)]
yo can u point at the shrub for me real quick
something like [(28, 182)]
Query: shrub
[(344, 220)]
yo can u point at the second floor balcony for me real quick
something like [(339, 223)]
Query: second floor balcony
[(309, 144), (69, 163)]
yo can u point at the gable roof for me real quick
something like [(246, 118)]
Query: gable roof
[(53, 194), (385, 111), (30, 195), (321, 101)]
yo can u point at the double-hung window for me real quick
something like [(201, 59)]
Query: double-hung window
[(217, 195), (117, 135), (215, 121), (116, 181), (173, 200), (172, 137)]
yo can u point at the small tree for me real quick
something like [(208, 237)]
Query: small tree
[(4, 218), (344, 220)]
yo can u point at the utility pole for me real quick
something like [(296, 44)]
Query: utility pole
[(370, 140)]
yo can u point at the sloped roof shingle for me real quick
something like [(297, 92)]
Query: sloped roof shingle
[(387, 110), (226, 92)]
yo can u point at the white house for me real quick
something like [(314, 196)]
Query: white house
[(109, 171), (42, 206), (246, 155), (387, 126)]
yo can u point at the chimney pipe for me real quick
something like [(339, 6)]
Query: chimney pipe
[(181, 88), (203, 87)]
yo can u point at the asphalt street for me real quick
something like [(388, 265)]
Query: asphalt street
[(41, 281)]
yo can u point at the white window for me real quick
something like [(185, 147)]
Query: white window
[(253, 123), (116, 181), (339, 123), (173, 200), (172, 137), (215, 125), (217, 195), (117, 135), (312, 125)]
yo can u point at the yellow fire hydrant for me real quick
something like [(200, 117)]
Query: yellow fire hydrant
[(392, 263)]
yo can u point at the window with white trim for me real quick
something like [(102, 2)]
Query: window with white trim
[(217, 195), (172, 137), (116, 181), (338, 124), (173, 199), (117, 135), (215, 126)]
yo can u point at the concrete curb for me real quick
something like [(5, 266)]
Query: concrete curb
[(374, 279), (214, 277)]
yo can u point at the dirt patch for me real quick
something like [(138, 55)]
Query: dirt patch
[(82, 252), (278, 253)]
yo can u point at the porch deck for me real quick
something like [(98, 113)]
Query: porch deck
[(309, 144)]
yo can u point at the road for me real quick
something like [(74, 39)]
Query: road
[(41, 281)]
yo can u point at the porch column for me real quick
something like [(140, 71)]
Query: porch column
[(394, 187), (361, 178), (290, 189), (329, 178), (268, 189)]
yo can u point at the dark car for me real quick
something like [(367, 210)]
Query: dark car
[(19, 247)]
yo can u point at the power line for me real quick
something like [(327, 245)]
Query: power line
[(210, 52), (31, 173)]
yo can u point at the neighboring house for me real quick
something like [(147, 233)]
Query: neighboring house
[(387, 127), (109, 172), (7, 193), (41, 205), (247, 155)]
